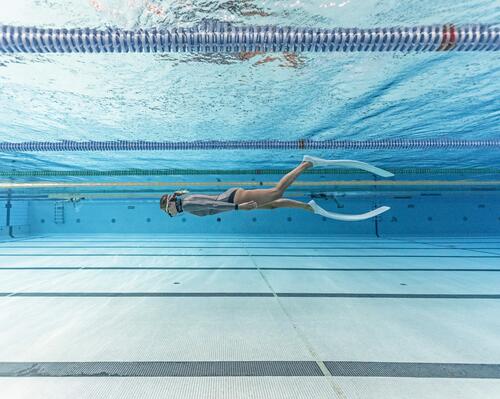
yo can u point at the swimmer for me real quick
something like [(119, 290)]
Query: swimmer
[(75, 200), (239, 199)]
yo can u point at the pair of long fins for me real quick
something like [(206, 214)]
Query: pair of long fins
[(349, 164)]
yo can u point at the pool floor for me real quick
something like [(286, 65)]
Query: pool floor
[(235, 316)]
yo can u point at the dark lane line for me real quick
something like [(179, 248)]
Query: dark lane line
[(247, 368), (243, 295), (257, 255), (343, 269), (478, 250), (413, 370), (294, 247), (235, 241)]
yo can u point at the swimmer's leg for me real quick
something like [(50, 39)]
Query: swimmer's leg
[(286, 203), (313, 207), (264, 196), (287, 180)]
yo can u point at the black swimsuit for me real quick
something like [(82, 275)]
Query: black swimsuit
[(228, 195), (230, 199)]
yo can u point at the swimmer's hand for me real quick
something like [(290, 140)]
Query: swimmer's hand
[(248, 206)]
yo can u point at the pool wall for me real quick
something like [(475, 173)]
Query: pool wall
[(461, 206), (416, 214)]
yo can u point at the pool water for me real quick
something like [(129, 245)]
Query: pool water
[(109, 297), (355, 96)]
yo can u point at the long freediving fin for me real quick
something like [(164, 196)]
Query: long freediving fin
[(349, 164), (344, 217)]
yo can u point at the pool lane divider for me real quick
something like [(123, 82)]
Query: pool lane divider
[(370, 183), (222, 37), (449, 38), (246, 145), (211, 172)]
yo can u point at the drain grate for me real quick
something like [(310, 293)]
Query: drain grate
[(413, 370), (160, 369), (248, 368)]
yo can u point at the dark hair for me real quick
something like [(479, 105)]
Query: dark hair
[(164, 202)]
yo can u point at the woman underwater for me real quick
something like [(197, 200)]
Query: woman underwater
[(236, 198)]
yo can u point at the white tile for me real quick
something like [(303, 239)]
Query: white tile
[(126, 261), (377, 263), (170, 388), (384, 282), (124, 251), (132, 281), (399, 330), (249, 387), (127, 329), (418, 388)]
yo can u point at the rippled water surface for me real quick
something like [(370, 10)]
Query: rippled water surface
[(203, 97)]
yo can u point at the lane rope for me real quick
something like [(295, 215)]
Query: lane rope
[(217, 37)]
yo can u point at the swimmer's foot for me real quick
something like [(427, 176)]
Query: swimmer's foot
[(344, 217), (349, 164)]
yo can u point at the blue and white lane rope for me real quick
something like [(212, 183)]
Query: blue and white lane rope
[(214, 37), (140, 145)]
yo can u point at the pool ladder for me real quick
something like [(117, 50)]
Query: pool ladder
[(59, 212)]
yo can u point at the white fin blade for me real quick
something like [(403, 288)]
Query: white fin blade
[(345, 217), (349, 164)]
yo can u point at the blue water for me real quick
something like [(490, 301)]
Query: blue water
[(201, 97), (112, 287)]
